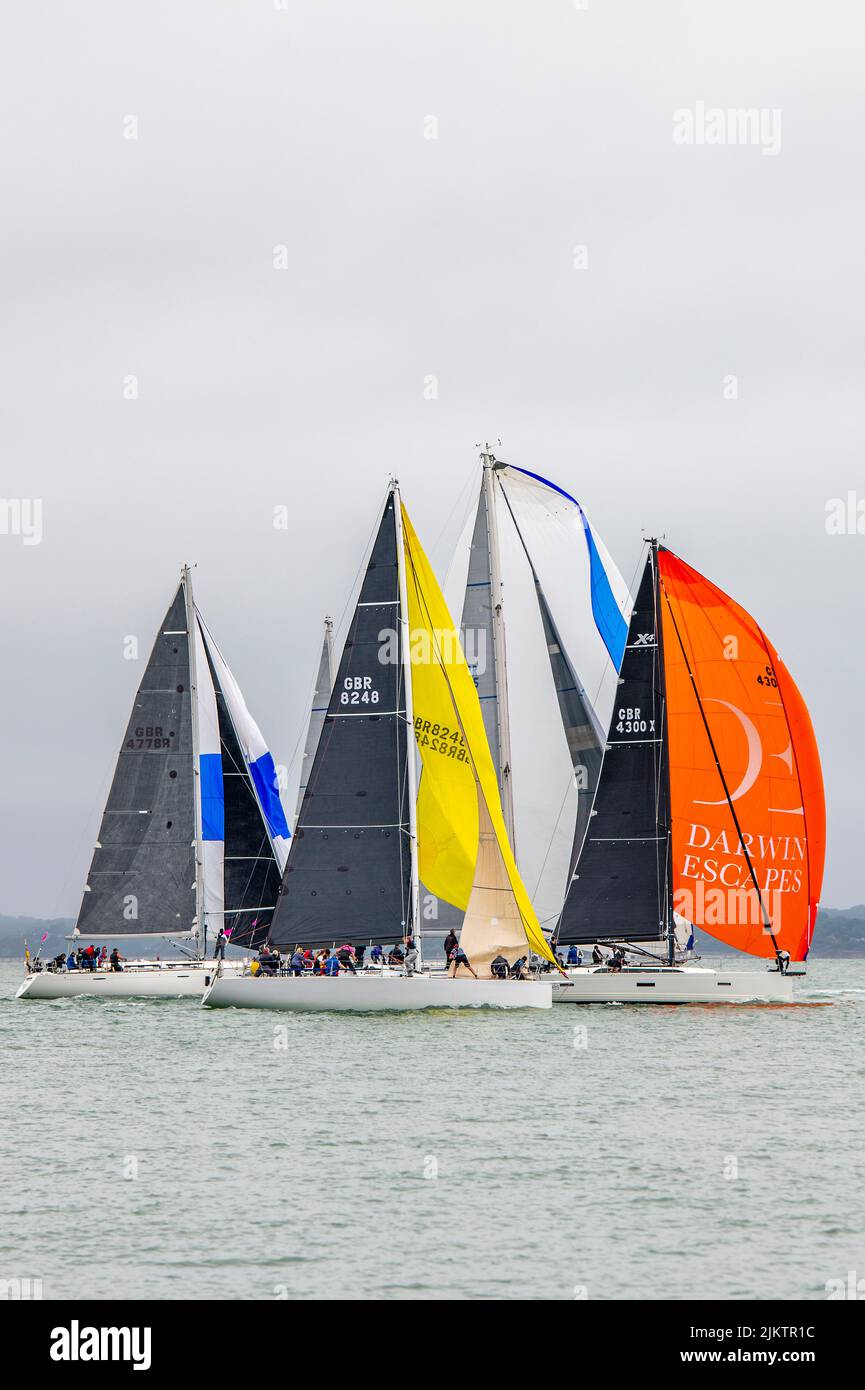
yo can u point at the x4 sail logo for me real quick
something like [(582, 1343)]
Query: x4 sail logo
[(77, 1343)]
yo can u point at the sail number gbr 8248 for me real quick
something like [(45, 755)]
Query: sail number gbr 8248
[(358, 690)]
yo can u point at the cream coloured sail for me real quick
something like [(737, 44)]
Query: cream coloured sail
[(492, 924)]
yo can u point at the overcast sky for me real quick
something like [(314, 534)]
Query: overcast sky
[(409, 257)]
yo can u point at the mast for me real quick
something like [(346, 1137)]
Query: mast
[(503, 723), (665, 885), (201, 942), (413, 922), (322, 690), (328, 646)]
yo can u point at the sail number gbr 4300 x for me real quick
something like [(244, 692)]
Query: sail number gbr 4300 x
[(632, 721)]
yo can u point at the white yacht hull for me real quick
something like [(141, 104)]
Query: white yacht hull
[(664, 984), (145, 981), (373, 992)]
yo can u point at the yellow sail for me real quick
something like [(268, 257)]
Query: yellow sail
[(459, 794)]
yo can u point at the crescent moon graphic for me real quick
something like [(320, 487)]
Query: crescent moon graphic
[(755, 753)]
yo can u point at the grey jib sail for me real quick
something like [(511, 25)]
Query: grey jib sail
[(585, 742), (620, 890), (320, 701), (251, 874), (142, 877), (477, 627), (348, 871)]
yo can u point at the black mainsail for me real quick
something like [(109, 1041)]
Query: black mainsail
[(621, 888), (348, 875), (142, 878)]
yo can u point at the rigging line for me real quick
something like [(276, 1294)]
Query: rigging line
[(364, 561), (260, 858), (660, 751), (337, 627), (459, 503), (401, 792), (422, 599), (304, 729), (766, 919), (657, 747)]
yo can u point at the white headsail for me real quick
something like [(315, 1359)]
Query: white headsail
[(566, 608), (257, 757)]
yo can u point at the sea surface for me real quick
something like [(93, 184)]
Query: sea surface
[(154, 1149)]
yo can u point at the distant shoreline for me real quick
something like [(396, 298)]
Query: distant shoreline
[(839, 935)]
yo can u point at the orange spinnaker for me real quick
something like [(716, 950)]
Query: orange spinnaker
[(754, 715)]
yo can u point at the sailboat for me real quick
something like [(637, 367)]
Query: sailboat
[(709, 810), (366, 832), (530, 560), (193, 835)]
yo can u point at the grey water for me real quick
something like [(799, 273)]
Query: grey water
[(156, 1150)]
